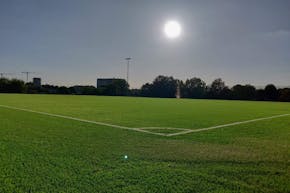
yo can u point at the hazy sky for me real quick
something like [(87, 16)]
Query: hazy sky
[(70, 42)]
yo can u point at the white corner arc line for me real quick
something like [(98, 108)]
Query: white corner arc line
[(227, 125), (82, 120)]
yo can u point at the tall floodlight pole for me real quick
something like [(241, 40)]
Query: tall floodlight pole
[(128, 66), (27, 75)]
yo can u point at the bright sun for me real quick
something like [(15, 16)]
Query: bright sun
[(172, 29)]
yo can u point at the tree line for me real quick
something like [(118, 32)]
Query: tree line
[(162, 87), (196, 88)]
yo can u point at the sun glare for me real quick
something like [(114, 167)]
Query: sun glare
[(172, 29)]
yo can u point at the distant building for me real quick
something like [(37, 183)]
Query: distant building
[(102, 82), (37, 82)]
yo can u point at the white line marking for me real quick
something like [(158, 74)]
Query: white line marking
[(169, 128), (227, 125), (186, 131), (82, 120)]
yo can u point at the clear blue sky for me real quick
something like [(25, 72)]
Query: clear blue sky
[(70, 42)]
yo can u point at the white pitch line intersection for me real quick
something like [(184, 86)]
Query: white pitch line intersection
[(183, 131)]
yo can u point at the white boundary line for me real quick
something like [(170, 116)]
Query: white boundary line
[(81, 120), (143, 130), (227, 125)]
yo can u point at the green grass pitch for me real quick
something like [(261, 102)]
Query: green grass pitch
[(40, 153)]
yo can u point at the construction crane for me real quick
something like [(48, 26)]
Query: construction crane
[(2, 74), (27, 75)]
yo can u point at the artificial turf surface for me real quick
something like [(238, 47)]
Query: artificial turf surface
[(39, 153)]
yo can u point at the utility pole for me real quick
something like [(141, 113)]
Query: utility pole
[(128, 66), (27, 75)]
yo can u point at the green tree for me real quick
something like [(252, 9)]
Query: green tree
[(218, 89), (244, 92), (194, 88), (284, 95), (271, 92), (164, 86)]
